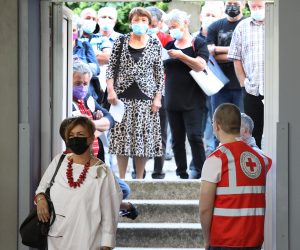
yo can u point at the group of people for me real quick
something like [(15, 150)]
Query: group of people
[(147, 71)]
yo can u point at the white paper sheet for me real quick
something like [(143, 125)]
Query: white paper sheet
[(117, 111), (165, 54)]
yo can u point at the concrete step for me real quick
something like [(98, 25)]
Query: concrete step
[(164, 190), (139, 248), (166, 211), (159, 235)]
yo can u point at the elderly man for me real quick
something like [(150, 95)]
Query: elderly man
[(107, 18), (247, 126), (247, 52)]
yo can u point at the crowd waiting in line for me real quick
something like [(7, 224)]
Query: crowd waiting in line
[(148, 72)]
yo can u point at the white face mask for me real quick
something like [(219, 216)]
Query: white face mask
[(88, 26), (258, 15), (206, 21)]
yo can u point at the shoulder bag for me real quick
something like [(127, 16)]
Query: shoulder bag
[(33, 232), (212, 79)]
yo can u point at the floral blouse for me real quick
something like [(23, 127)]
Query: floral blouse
[(147, 72)]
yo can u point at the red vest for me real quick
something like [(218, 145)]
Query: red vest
[(239, 208)]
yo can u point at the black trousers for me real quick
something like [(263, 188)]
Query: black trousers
[(234, 248), (254, 107), (159, 161), (187, 123)]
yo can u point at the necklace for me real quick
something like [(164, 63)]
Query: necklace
[(82, 176)]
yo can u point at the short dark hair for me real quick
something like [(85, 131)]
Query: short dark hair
[(63, 126), (84, 122), (228, 116), (139, 11)]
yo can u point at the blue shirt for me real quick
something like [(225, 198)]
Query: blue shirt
[(84, 51)]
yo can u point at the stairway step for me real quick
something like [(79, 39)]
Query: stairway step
[(164, 190), (159, 235), (166, 211), (139, 248)]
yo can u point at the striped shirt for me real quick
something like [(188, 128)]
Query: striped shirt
[(248, 46)]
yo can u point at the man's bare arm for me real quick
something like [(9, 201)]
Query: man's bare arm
[(206, 207), (219, 52), (239, 71)]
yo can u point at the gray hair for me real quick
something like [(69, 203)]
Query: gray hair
[(177, 16), (216, 7), (82, 68), (108, 10), (87, 10), (155, 12), (246, 121)]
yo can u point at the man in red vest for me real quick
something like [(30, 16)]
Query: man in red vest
[(232, 195)]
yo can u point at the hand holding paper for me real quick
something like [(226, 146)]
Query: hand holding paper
[(117, 111)]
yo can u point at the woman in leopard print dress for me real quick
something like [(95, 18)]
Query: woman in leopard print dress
[(139, 85)]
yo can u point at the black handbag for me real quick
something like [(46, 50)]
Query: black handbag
[(105, 103), (33, 232)]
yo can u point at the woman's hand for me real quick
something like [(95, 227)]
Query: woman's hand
[(42, 208), (156, 104), (112, 97), (175, 53)]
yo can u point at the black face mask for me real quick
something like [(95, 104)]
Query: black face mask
[(78, 145), (232, 10)]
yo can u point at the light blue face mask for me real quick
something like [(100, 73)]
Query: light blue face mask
[(89, 26), (139, 28), (258, 15), (176, 33), (152, 31)]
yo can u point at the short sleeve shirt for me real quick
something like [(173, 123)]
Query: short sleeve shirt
[(212, 169)]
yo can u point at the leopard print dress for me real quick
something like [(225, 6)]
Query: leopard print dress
[(138, 134)]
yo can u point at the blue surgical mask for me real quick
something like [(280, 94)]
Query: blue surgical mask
[(106, 24), (89, 26), (139, 28), (258, 15), (152, 31), (176, 33)]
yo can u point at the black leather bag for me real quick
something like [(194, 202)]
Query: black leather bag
[(33, 232)]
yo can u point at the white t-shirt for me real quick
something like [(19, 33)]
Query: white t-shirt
[(212, 169)]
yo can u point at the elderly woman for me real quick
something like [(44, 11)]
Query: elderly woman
[(83, 104), (139, 86), (184, 99), (85, 195)]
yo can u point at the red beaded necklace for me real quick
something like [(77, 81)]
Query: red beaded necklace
[(82, 176)]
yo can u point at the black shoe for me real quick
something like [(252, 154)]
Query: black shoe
[(132, 213), (158, 175), (133, 174), (183, 175)]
